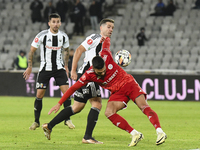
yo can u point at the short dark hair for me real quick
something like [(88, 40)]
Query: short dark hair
[(98, 62), (103, 21), (54, 15), (71, 49), (142, 28)]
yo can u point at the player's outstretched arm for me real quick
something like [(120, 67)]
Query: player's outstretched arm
[(66, 95)]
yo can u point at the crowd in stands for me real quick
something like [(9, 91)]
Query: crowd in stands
[(159, 20), (72, 8)]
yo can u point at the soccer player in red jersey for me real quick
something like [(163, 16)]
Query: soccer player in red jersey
[(105, 72)]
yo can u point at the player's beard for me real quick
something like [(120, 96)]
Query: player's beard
[(55, 29)]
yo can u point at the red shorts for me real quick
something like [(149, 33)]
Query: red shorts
[(130, 90)]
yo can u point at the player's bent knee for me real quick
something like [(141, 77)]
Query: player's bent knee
[(108, 113), (78, 107), (97, 105), (143, 107), (95, 99)]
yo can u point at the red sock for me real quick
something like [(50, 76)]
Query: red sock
[(120, 122), (153, 117)]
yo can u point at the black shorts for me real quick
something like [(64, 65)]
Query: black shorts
[(44, 77), (86, 92)]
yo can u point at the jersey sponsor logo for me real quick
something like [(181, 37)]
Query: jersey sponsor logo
[(53, 48), (110, 66), (36, 40), (90, 41), (111, 77), (49, 40)]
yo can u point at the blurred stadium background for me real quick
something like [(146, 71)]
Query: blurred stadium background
[(173, 46)]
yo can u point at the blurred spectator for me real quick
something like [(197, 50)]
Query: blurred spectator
[(36, 7), (99, 4), (197, 5), (79, 13), (141, 37), (49, 9), (93, 15), (159, 9), (170, 8), (62, 8), (21, 61)]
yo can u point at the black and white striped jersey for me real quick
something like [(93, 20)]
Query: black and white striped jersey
[(90, 44), (51, 46)]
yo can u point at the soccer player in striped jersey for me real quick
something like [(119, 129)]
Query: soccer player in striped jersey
[(91, 91), (106, 73), (52, 42)]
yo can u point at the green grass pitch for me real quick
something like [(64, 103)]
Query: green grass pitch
[(179, 119)]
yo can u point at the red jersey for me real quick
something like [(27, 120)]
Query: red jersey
[(114, 79)]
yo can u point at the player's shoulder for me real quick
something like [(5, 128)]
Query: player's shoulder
[(87, 76), (89, 71), (63, 33), (42, 33), (92, 39), (94, 36)]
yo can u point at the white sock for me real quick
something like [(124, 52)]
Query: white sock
[(159, 130), (134, 132)]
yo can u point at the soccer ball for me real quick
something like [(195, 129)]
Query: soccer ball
[(123, 58)]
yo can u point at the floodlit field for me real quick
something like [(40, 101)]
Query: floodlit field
[(180, 120)]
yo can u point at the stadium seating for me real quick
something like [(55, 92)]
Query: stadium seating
[(173, 41)]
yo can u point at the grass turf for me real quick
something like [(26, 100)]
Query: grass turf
[(179, 119)]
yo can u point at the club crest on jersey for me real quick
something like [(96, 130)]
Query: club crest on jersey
[(90, 41), (40, 85), (36, 40), (110, 66)]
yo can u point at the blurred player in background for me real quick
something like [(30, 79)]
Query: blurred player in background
[(51, 43), (123, 87)]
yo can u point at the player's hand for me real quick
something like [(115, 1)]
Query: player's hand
[(73, 75), (54, 108), (27, 73), (102, 39)]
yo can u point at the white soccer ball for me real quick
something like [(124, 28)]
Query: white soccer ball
[(123, 58)]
